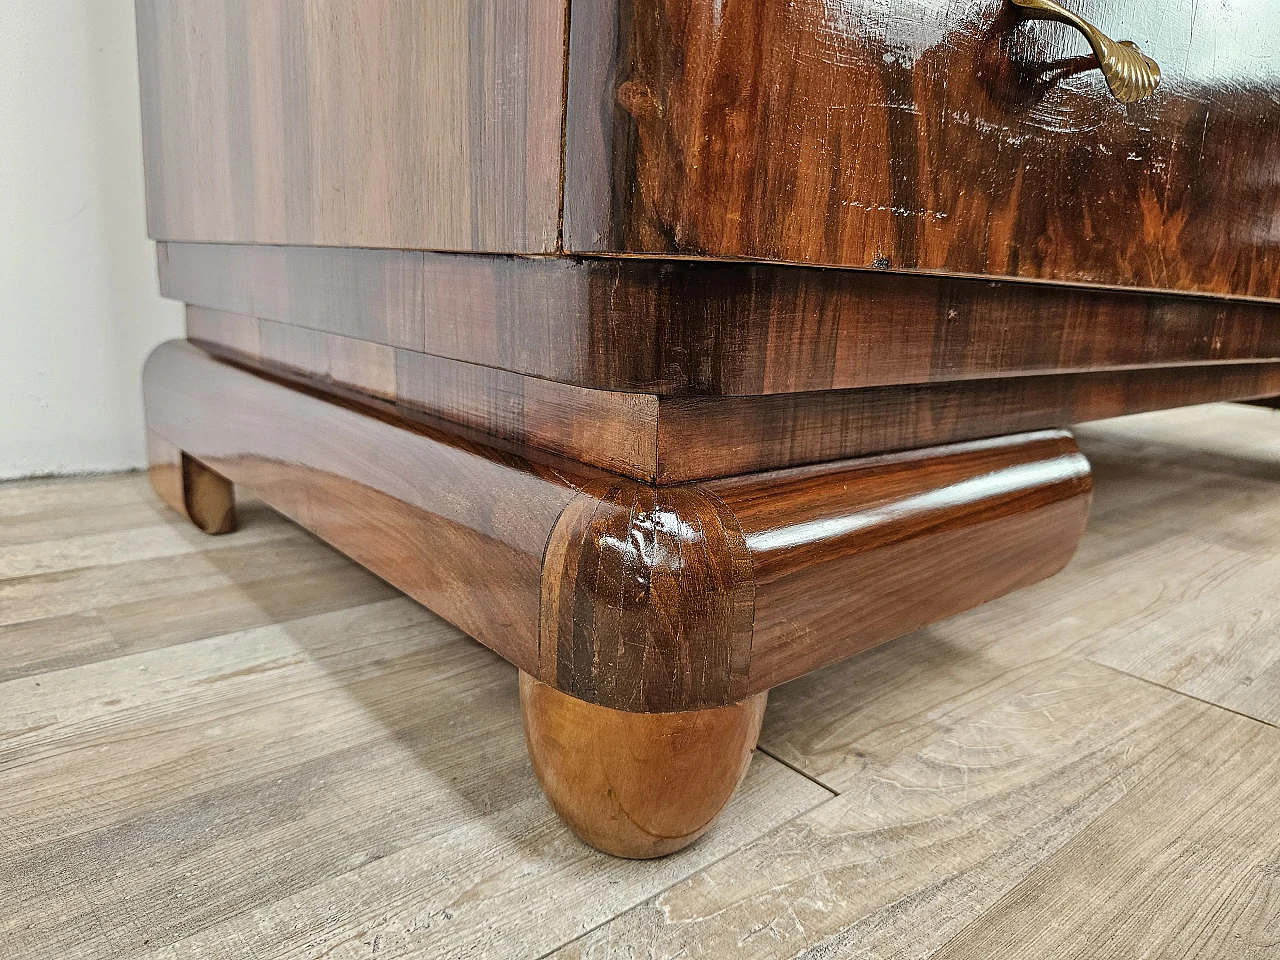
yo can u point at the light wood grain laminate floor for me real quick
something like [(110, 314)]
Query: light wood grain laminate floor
[(247, 746)]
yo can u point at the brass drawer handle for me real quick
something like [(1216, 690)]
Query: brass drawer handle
[(1131, 75)]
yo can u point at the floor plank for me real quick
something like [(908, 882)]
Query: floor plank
[(1216, 642), (232, 561), (916, 849), (1186, 865), (1215, 636), (211, 792), (507, 882), (56, 496), (246, 746), (157, 539)]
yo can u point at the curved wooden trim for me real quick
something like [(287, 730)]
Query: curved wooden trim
[(851, 555), (639, 598), (458, 524), (647, 599)]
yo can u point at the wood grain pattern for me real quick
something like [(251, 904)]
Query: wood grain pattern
[(385, 124), (697, 328), (288, 767), (647, 599), (368, 367), (632, 784), (118, 604), (605, 428), (637, 597), (951, 138), (198, 493), (985, 765), (1198, 807), (985, 797), (704, 437), (666, 440), (1215, 638), (395, 496), (219, 584), (990, 775), (848, 556)]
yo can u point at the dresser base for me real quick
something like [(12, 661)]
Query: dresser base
[(647, 621)]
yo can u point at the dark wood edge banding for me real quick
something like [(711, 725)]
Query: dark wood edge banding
[(697, 328), (671, 440)]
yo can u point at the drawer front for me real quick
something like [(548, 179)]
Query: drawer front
[(952, 136)]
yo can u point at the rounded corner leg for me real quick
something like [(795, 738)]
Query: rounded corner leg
[(203, 496), (637, 785)]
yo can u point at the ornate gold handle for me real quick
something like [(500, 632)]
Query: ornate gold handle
[(1130, 74)]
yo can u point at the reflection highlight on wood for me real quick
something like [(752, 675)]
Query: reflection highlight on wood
[(649, 620), (635, 597), (954, 138), (203, 496), (458, 525), (847, 557), (682, 327), (1092, 788), (637, 784), (667, 440)]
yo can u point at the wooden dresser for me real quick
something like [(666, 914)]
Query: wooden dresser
[(676, 348)]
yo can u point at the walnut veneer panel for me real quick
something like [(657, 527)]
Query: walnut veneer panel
[(676, 439), (382, 123), (932, 135), (616, 431), (686, 327)]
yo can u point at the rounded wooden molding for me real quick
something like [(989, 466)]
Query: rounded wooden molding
[(637, 785), (648, 597)]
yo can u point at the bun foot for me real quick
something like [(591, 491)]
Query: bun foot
[(204, 497), (637, 785)]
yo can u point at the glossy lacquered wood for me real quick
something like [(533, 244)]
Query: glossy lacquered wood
[(1001, 796), (847, 556), (954, 138), (647, 621), (380, 123), (648, 597), (457, 525), (665, 439), (204, 497), (635, 597), (689, 328), (938, 136), (635, 784)]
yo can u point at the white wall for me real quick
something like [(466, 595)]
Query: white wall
[(79, 302)]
